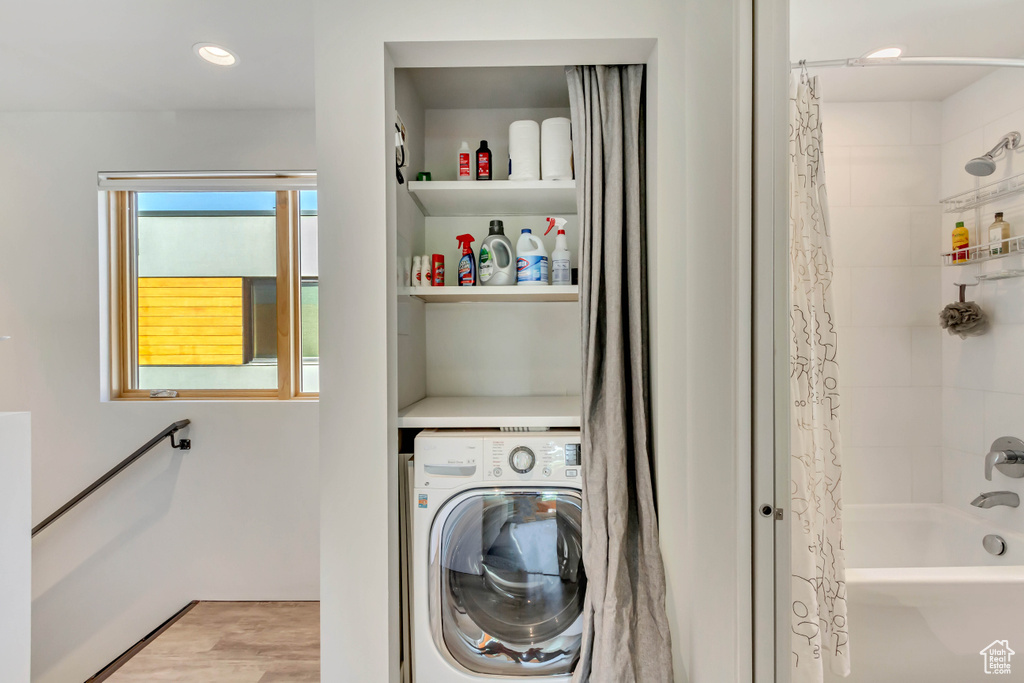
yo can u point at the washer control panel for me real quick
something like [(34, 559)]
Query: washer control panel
[(554, 456)]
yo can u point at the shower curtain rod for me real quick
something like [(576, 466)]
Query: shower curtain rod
[(912, 61)]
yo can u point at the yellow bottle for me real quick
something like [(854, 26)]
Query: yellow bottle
[(999, 236), (961, 240)]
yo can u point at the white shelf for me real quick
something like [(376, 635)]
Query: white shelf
[(979, 253), (453, 294), (492, 412), (983, 195), (494, 197)]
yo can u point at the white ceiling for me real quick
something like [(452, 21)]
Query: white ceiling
[(829, 29), (137, 54)]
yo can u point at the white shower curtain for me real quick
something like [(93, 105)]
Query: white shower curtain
[(819, 630)]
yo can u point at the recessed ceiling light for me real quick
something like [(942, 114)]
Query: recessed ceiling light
[(215, 54), (884, 53)]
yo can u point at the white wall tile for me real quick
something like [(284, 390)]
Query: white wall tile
[(871, 236), (867, 123), (963, 419), (955, 154), (841, 296), (926, 123), (893, 416), (1004, 416), (837, 175), (965, 362), (891, 297), (926, 357), (1006, 362), (877, 475), (875, 356), (927, 475), (894, 176), (928, 238), (982, 102)]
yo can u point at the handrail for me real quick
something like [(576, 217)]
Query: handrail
[(183, 444)]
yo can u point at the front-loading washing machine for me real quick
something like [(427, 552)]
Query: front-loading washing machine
[(497, 562)]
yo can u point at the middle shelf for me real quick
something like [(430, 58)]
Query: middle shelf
[(494, 197), (453, 294), (491, 412)]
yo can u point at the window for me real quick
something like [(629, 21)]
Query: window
[(213, 293)]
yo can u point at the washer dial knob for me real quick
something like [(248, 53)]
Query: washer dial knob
[(522, 459)]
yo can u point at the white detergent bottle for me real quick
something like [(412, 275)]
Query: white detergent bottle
[(561, 274), (531, 260)]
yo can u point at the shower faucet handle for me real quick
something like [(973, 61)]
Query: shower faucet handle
[(1007, 456)]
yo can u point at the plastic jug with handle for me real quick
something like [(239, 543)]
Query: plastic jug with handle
[(531, 260)]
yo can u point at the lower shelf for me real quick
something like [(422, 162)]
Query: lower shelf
[(492, 412)]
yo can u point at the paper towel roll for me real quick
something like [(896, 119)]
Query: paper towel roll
[(524, 150), (556, 149)]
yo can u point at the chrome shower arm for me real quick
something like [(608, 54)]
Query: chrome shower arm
[(1009, 142)]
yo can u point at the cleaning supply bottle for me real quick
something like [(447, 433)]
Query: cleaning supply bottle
[(531, 260), (483, 162), (560, 271), (467, 264), (999, 236), (428, 276), (417, 272), (961, 240), (497, 260), (465, 167)]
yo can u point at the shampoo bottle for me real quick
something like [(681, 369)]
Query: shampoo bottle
[(465, 167), (560, 271), (999, 236), (961, 240), (467, 264), (531, 260)]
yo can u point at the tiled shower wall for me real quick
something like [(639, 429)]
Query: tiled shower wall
[(983, 377), (882, 165)]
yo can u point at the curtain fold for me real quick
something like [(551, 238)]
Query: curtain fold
[(626, 634), (819, 630)]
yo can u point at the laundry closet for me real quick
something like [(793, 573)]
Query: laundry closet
[(482, 356)]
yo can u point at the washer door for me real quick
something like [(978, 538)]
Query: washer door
[(507, 581)]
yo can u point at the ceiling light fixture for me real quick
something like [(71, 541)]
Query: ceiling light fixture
[(884, 53), (215, 54)]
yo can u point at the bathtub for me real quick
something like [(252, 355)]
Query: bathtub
[(925, 598)]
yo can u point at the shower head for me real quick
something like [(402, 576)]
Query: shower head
[(981, 166), (986, 163)]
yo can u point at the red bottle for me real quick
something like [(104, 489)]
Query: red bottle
[(437, 270), (483, 162)]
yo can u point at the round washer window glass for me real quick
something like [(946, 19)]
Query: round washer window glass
[(512, 582)]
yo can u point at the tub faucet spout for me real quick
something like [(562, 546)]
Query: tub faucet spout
[(994, 498)]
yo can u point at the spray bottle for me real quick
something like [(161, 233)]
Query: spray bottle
[(561, 274), (467, 264)]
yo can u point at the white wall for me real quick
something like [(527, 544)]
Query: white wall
[(983, 377), (693, 147), (882, 175), (15, 546), (234, 518)]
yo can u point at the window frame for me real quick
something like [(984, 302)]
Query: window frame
[(122, 205)]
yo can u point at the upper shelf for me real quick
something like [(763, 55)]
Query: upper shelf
[(494, 197), (453, 294), (983, 195)]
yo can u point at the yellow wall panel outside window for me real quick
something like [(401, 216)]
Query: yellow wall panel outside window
[(191, 321)]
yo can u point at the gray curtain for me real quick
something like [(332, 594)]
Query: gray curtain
[(626, 635)]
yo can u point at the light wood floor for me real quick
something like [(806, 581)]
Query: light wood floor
[(233, 642)]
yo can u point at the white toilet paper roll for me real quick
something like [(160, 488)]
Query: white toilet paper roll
[(556, 149), (524, 150)]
